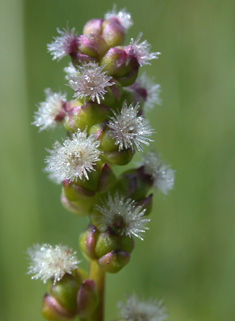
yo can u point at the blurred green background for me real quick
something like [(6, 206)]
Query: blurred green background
[(188, 255)]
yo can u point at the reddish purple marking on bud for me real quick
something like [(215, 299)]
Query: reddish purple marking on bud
[(90, 240), (93, 26), (51, 304), (78, 58), (146, 201)]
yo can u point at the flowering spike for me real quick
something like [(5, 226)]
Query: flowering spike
[(136, 310), (123, 17), (74, 158), (128, 129), (51, 111), (48, 262), (162, 174), (89, 81), (64, 45), (152, 91), (123, 216), (141, 51)]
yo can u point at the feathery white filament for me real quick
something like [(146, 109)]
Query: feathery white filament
[(124, 215), (152, 91), (51, 262), (122, 16)]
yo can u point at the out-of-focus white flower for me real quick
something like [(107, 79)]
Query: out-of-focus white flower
[(50, 111), (74, 159), (51, 262), (122, 16), (128, 129), (152, 91), (136, 310), (63, 45), (162, 174), (124, 216), (90, 81), (141, 51)]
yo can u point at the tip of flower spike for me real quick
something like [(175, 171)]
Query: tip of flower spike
[(141, 51), (63, 45), (50, 111), (152, 91), (123, 216), (135, 309), (51, 262), (74, 159), (89, 80), (128, 129), (162, 174), (123, 17)]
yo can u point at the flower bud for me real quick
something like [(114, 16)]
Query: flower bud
[(121, 65), (113, 33), (87, 299), (122, 157), (113, 262), (85, 115), (93, 26), (79, 59), (107, 179), (92, 45), (53, 310), (146, 204), (113, 94), (88, 241), (65, 292)]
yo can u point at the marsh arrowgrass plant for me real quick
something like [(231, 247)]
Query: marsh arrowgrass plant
[(106, 126)]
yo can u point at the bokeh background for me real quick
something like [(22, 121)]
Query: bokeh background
[(188, 255)]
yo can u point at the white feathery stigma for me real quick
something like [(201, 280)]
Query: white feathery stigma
[(162, 174), (122, 16), (89, 81), (141, 51), (135, 309), (71, 71), (51, 262), (125, 217), (63, 45), (152, 91), (74, 159), (49, 110), (128, 129)]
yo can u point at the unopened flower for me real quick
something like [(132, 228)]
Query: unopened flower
[(141, 51), (74, 159), (136, 310), (128, 129), (152, 91), (64, 45), (162, 174), (123, 17), (51, 262), (50, 111), (123, 216), (90, 81)]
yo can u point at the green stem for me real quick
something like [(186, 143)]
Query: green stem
[(98, 276)]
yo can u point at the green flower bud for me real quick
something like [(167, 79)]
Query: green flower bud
[(112, 95), (93, 26), (122, 157), (77, 208), (87, 299), (65, 292), (92, 45), (113, 262), (85, 115), (53, 310), (147, 204), (88, 241), (78, 59), (113, 33), (107, 179)]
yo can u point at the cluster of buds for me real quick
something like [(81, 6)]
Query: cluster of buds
[(105, 124)]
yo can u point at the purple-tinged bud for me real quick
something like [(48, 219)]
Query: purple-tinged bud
[(92, 45), (107, 179), (146, 203), (122, 66), (113, 94), (93, 26), (113, 33), (85, 115), (87, 299), (122, 157), (80, 59), (78, 208), (65, 292), (88, 241), (53, 310), (114, 261)]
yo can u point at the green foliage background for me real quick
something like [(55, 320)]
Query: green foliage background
[(188, 255)]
